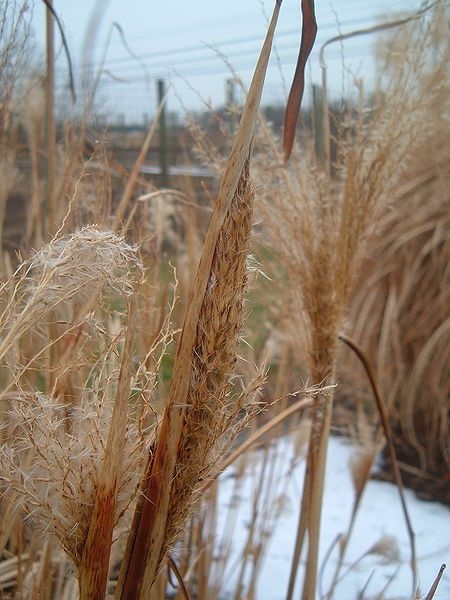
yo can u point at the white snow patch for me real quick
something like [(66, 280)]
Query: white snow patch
[(380, 515)]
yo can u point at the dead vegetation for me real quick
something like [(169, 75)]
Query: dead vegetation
[(106, 457)]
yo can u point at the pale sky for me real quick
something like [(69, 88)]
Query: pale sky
[(180, 41)]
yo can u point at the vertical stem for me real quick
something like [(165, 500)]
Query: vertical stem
[(51, 169), (318, 123), (300, 534), (162, 134), (318, 454), (311, 505), (51, 125), (325, 122), (34, 223), (94, 566), (3, 200)]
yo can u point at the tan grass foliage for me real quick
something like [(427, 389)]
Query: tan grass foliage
[(61, 278), (197, 411), (399, 310), (91, 463), (321, 221), (214, 355), (73, 453), (54, 461)]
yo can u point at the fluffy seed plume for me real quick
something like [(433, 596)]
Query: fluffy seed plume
[(66, 274), (52, 462)]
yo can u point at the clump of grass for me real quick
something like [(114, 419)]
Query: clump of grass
[(75, 464), (397, 308), (391, 309), (88, 454), (320, 225), (198, 412), (73, 469)]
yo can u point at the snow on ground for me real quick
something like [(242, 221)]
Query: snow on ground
[(380, 516)]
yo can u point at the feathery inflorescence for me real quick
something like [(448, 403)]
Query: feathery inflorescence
[(64, 454)]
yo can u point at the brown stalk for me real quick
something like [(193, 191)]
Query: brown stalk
[(93, 570), (147, 543), (311, 508), (206, 544), (391, 448), (34, 222), (175, 569), (51, 163)]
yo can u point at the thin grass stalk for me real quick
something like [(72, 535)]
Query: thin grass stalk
[(2, 219), (60, 579), (131, 182), (435, 584), (51, 168), (211, 529), (311, 506), (205, 543), (42, 584), (9, 518), (344, 541), (266, 513), (50, 122), (147, 540), (252, 530), (34, 220), (253, 439), (184, 591), (326, 137), (391, 449)]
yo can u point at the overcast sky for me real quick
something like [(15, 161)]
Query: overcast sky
[(181, 41)]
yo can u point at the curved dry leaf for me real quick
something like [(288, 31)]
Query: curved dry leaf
[(309, 31)]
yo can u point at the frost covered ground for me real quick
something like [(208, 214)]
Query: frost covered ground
[(273, 493)]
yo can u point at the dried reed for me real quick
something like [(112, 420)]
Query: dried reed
[(72, 468), (390, 310), (79, 456), (198, 412), (320, 226)]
